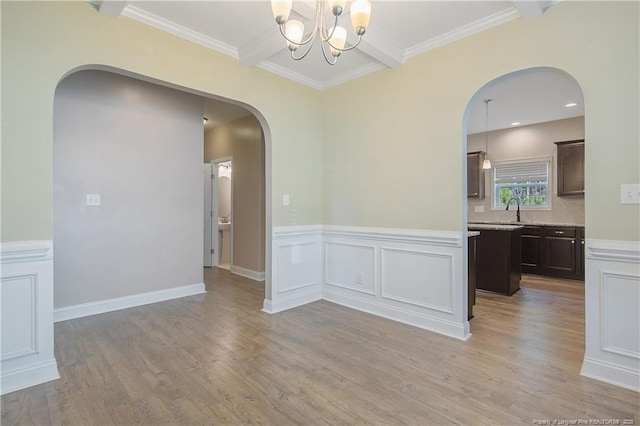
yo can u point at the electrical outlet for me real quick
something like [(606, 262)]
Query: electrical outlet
[(359, 279), (93, 200), (478, 209), (285, 200), (630, 193)]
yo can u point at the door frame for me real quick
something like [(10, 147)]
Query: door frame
[(215, 164)]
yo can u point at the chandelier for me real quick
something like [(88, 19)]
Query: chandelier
[(334, 38)]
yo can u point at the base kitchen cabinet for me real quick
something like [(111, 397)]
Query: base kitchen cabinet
[(553, 251), (531, 249), (498, 254), (471, 274)]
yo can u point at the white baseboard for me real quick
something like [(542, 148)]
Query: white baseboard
[(247, 273), (291, 302), (437, 325), (610, 373), (116, 304), (32, 375)]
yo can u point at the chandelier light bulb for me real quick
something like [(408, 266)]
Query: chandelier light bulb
[(360, 15), (294, 30), (338, 40), (281, 10), (337, 6)]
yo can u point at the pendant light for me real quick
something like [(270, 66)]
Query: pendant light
[(486, 164)]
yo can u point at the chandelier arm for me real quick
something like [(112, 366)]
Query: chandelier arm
[(326, 58), (309, 46), (324, 27), (346, 49)]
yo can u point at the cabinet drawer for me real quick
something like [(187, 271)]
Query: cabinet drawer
[(560, 232), (531, 231)]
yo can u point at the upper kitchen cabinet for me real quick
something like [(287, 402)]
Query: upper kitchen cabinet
[(475, 174), (570, 167)]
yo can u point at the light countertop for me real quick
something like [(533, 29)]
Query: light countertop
[(530, 223), (492, 227)]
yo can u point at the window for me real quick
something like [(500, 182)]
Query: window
[(527, 182)]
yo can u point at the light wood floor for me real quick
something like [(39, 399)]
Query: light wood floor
[(216, 359)]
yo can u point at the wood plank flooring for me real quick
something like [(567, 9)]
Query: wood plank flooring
[(216, 359)]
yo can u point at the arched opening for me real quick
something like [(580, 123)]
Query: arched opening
[(128, 190), (530, 251)]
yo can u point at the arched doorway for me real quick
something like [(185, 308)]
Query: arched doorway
[(516, 122), (137, 143)]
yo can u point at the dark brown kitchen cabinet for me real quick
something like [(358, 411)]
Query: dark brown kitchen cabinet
[(560, 252), (498, 261), (553, 251), (471, 276), (475, 174), (570, 167), (531, 247)]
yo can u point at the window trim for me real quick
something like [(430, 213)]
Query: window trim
[(549, 198)]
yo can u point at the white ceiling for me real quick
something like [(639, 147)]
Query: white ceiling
[(399, 29)]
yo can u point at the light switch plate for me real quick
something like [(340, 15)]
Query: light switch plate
[(478, 209), (93, 200), (630, 193), (285, 200)]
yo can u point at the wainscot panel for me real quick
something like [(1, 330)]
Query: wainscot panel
[(612, 306), (26, 299), (296, 260), (405, 275)]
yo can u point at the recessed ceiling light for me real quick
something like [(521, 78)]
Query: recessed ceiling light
[(515, 123), (570, 104)]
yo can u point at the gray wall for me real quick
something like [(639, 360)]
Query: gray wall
[(243, 139), (139, 146), (529, 142)]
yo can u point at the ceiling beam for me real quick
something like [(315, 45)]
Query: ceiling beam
[(262, 47), (381, 50), (112, 7), (528, 9)]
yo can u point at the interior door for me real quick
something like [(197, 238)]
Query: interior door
[(210, 225)]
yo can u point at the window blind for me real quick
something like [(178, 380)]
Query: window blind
[(521, 173)]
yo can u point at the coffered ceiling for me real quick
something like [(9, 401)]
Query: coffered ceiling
[(399, 29)]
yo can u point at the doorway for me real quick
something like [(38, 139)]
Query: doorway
[(528, 111)]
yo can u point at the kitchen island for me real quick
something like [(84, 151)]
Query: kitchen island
[(498, 252)]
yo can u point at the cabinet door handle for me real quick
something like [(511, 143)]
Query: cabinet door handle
[(573, 242), (582, 242), (559, 232)]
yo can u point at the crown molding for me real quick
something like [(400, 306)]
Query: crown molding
[(178, 30), (291, 75), (462, 32), (352, 75)]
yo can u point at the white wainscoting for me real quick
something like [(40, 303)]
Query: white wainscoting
[(296, 259), (26, 311), (410, 276), (612, 307)]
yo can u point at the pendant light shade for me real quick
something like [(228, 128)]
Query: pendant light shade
[(486, 164)]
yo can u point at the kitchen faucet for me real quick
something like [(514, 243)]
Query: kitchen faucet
[(517, 197)]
